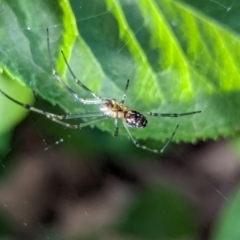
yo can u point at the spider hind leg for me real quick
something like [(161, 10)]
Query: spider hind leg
[(159, 151)]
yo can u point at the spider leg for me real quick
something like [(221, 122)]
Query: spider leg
[(116, 127), (125, 92), (52, 115), (78, 126), (170, 139), (93, 121), (77, 80), (152, 114), (83, 115), (97, 100), (147, 148)]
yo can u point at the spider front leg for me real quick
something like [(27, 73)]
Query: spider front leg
[(96, 100), (80, 125), (59, 118), (147, 148)]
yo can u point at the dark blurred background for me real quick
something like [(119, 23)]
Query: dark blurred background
[(59, 183)]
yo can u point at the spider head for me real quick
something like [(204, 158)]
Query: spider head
[(135, 119)]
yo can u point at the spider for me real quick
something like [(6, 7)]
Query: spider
[(108, 108)]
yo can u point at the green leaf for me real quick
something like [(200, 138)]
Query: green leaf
[(6, 225), (228, 225), (10, 113), (158, 213), (225, 12), (23, 53), (177, 60)]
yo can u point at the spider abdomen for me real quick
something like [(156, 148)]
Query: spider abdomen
[(135, 119)]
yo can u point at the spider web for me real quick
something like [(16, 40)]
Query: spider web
[(38, 136)]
